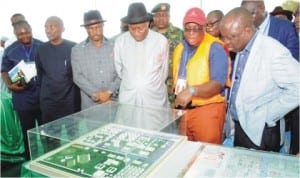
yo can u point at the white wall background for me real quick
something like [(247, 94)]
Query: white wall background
[(71, 11)]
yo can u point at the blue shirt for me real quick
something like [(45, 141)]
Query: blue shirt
[(217, 62), (13, 54), (241, 61)]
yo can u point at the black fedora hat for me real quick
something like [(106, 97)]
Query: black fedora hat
[(92, 17), (137, 13), (279, 10)]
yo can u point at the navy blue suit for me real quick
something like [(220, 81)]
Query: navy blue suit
[(285, 32)]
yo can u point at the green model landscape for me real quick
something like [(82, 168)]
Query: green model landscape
[(112, 151)]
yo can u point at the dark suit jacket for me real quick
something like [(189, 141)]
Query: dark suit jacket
[(285, 32)]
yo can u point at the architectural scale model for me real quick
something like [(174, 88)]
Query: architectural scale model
[(110, 151)]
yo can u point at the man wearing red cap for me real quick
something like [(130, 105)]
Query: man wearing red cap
[(200, 72)]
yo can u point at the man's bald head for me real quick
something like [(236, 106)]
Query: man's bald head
[(56, 20), (54, 27), (252, 1), (237, 28), (239, 16), (257, 10)]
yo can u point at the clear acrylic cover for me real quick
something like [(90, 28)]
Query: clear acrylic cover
[(107, 140)]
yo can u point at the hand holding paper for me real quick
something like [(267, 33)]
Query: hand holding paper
[(180, 86), (27, 70)]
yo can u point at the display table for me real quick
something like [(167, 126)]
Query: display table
[(115, 140), (195, 159), (220, 161)]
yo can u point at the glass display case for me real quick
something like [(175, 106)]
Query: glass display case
[(117, 140), (107, 140)]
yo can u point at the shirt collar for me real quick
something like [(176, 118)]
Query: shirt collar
[(87, 41), (264, 26), (249, 44)]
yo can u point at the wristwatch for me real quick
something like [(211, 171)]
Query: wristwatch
[(192, 90)]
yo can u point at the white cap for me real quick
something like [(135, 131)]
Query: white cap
[(4, 38)]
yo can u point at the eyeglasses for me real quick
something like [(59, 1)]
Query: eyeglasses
[(209, 25), (194, 30)]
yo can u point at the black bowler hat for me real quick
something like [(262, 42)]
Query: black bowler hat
[(137, 13), (92, 17)]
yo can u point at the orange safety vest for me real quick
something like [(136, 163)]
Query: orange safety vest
[(197, 68)]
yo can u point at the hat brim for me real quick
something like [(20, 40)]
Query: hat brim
[(92, 23), (136, 20)]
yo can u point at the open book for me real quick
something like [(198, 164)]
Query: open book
[(22, 69)]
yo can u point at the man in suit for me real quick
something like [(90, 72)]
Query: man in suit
[(265, 86), (280, 29), (93, 64)]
